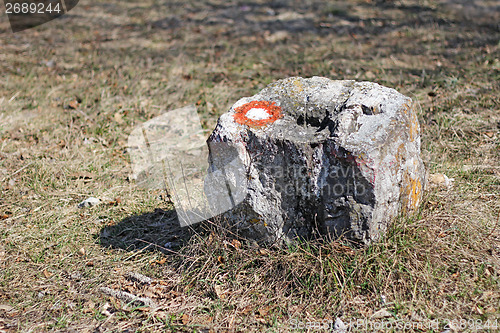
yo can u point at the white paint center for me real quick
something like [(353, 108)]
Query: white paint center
[(257, 114)]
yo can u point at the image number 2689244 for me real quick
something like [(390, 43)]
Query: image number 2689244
[(26, 14)]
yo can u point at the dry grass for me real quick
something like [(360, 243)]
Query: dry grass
[(63, 131)]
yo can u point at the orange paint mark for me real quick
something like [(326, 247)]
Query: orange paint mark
[(273, 110)]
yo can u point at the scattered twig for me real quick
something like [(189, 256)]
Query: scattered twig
[(127, 297), (136, 277), (14, 96), (16, 172)]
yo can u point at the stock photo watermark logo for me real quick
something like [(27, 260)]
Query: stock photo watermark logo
[(26, 14), (170, 152), (363, 325)]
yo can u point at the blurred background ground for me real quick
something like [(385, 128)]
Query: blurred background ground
[(73, 89)]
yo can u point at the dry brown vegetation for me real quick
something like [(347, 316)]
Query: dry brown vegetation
[(73, 89)]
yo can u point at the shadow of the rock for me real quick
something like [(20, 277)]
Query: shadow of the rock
[(158, 230)]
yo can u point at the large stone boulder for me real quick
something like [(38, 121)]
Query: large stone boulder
[(332, 157)]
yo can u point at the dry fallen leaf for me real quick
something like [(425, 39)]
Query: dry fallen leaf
[(265, 311), (185, 319), (236, 243), (264, 252), (114, 202), (158, 262), (341, 248), (88, 307), (5, 216), (73, 104), (220, 292), (204, 319), (47, 274), (489, 134), (129, 288), (491, 309), (246, 310)]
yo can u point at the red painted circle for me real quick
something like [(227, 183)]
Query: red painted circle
[(271, 108)]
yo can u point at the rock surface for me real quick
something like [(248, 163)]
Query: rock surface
[(320, 156)]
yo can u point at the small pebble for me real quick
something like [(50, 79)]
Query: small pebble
[(89, 202)]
